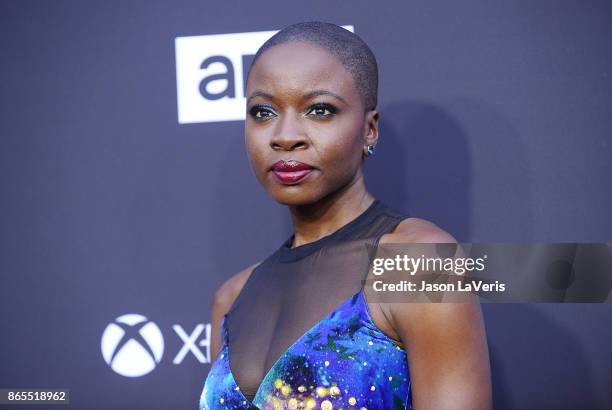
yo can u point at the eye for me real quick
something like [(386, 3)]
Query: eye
[(261, 112), (320, 110)]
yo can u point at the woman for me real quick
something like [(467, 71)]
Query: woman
[(297, 326)]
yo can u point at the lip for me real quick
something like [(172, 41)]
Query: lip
[(290, 172)]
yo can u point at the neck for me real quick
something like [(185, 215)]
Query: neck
[(314, 221)]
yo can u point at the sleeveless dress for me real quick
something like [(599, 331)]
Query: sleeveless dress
[(300, 335)]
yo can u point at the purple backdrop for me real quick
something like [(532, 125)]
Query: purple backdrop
[(497, 116)]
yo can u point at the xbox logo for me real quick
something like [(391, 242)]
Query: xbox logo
[(132, 345)]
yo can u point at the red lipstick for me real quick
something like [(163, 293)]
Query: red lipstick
[(291, 171)]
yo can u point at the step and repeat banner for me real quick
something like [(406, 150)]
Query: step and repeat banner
[(127, 197)]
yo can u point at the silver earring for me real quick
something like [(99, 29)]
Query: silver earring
[(370, 149)]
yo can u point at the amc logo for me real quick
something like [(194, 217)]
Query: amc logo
[(211, 75)]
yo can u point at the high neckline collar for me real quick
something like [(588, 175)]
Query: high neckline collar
[(288, 254)]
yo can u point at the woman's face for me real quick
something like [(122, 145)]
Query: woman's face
[(304, 107)]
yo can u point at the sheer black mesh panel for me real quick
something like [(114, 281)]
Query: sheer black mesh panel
[(294, 289)]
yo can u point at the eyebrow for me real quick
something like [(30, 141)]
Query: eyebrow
[(315, 93)]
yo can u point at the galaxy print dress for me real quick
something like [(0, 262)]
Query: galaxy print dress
[(300, 334)]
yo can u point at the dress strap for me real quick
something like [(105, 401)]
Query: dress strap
[(391, 221)]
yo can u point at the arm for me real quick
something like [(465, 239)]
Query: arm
[(446, 344), (222, 302)]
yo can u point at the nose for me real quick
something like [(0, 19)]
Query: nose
[(289, 134)]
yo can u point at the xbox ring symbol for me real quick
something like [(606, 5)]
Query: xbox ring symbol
[(132, 345)]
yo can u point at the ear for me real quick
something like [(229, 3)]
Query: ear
[(370, 132)]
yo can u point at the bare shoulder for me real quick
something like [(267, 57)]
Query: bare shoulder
[(230, 289), (406, 318), (417, 230), (409, 230), (434, 333)]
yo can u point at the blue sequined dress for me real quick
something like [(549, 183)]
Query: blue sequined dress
[(301, 334)]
